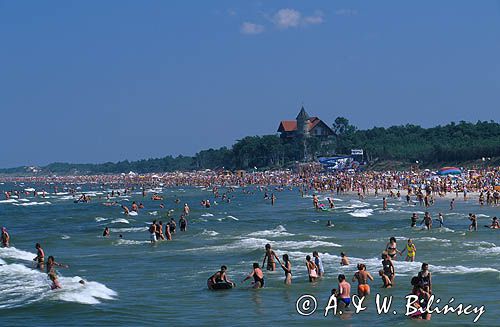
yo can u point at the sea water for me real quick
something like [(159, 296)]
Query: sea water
[(129, 282)]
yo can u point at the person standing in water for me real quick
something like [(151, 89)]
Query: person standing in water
[(40, 256), (318, 263), (425, 278), (312, 269), (473, 222), (315, 202), (385, 280), (414, 219), (152, 232), (273, 199), (344, 261), (384, 204), (186, 209), (388, 267), (344, 290), (270, 256), (51, 272), (287, 267), (105, 233), (411, 251), (258, 276), (330, 202), (391, 248), (440, 220), (183, 223), (427, 220), (362, 277), (5, 238)]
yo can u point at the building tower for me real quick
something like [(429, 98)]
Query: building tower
[(303, 123)]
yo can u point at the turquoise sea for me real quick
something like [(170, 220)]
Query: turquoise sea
[(130, 282)]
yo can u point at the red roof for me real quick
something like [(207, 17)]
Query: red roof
[(287, 126), (291, 125)]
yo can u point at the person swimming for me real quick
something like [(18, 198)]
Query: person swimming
[(494, 223), (219, 277), (105, 233)]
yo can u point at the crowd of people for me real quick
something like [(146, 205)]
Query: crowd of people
[(421, 188)]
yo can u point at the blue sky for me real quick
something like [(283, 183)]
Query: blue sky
[(96, 81)]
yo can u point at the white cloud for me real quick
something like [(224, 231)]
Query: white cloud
[(315, 19), (251, 28), (346, 12), (286, 18)]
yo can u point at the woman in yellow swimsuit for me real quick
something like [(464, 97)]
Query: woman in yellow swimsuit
[(411, 251)]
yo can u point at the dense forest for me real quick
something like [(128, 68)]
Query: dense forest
[(441, 144)]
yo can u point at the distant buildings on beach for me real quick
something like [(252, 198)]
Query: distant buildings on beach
[(304, 126)]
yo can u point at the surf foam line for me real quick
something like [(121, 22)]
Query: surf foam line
[(20, 286)]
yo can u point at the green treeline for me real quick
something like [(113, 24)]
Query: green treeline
[(450, 143)]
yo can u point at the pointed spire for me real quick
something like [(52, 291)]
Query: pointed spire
[(302, 114)]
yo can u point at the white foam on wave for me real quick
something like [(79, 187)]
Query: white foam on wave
[(98, 219), (444, 229), (20, 286), (120, 220), (209, 232), (153, 213), (432, 239), (67, 197), (232, 217), (13, 253), (361, 213), (8, 201), (402, 268), (129, 242), (482, 244), (279, 231), (31, 203), (207, 215), (88, 293), (252, 243), (65, 237), (133, 213), (126, 230)]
